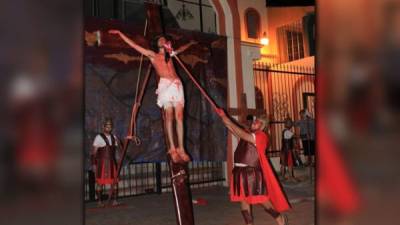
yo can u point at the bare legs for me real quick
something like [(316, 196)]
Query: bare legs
[(168, 118), (180, 132), (99, 193), (112, 194), (246, 213), (171, 113), (248, 218), (279, 218), (284, 162)]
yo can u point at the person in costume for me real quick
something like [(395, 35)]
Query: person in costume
[(287, 152), (253, 180), (170, 95), (307, 135), (104, 163)]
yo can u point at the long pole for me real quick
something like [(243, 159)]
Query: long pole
[(196, 83)]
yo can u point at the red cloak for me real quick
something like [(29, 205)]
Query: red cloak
[(275, 191)]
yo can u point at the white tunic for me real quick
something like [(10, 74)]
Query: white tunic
[(100, 143)]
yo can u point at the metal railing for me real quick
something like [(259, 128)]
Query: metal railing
[(282, 91), (153, 178)]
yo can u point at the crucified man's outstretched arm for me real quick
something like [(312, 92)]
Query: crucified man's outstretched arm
[(133, 44), (186, 46)]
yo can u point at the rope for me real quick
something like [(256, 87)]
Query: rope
[(138, 79)]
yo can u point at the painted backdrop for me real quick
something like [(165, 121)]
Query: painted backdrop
[(111, 73)]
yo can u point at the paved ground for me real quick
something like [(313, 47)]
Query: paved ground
[(159, 210)]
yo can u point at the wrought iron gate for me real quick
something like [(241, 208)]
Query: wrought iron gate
[(282, 91)]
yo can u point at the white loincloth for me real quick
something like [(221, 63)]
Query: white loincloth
[(170, 93)]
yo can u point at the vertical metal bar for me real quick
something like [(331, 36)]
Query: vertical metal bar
[(263, 82), (284, 78), (158, 178), (291, 92), (147, 175), (124, 182), (202, 173), (206, 174), (141, 177), (130, 180), (92, 185), (199, 174), (275, 84), (144, 176), (135, 178), (278, 89)]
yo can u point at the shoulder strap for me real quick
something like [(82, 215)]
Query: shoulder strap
[(105, 139), (112, 140)]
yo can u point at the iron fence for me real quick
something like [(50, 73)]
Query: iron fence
[(282, 91), (153, 178)]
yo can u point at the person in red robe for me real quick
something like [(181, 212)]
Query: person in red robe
[(253, 180), (104, 162)]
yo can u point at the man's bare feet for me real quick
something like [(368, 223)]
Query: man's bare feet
[(173, 153), (182, 154)]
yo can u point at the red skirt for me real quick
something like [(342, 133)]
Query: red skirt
[(106, 172), (248, 184)]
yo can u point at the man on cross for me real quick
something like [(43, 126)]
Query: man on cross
[(170, 95)]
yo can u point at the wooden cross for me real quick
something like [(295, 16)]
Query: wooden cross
[(242, 112)]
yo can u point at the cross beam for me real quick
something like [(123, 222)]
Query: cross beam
[(243, 112)]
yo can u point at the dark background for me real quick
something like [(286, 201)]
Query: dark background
[(278, 3)]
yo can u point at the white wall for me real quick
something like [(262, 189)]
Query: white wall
[(250, 52), (307, 62)]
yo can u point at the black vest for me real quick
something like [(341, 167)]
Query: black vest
[(108, 151), (287, 144)]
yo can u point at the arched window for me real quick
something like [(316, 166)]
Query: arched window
[(252, 21)]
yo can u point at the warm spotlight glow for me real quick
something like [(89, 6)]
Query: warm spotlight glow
[(264, 40)]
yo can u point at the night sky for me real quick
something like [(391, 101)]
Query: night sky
[(271, 3)]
